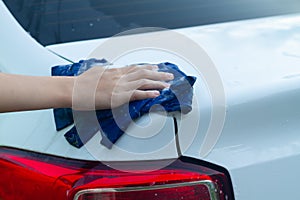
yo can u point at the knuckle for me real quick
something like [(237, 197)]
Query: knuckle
[(134, 96), (144, 72), (143, 82), (148, 94), (129, 68), (114, 70)]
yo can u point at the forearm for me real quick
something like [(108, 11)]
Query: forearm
[(20, 93)]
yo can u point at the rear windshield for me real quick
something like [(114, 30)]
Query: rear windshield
[(59, 21)]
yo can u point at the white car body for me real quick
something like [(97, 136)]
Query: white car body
[(259, 63)]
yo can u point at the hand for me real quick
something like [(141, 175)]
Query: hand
[(100, 88)]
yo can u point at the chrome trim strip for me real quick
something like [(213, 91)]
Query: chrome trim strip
[(209, 184)]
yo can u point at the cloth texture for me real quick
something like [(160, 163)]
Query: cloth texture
[(112, 123)]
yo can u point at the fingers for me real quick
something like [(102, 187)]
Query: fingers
[(143, 77), (145, 84), (149, 74), (140, 95), (117, 86), (135, 72), (133, 68)]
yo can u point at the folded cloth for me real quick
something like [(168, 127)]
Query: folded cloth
[(114, 122)]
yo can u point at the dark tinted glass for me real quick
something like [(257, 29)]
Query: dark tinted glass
[(58, 21)]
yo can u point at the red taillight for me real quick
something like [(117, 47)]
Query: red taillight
[(189, 191), (193, 190), (29, 175)]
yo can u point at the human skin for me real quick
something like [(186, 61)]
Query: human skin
[(102, 88)]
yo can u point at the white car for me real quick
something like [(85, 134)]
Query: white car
[(240, 141)]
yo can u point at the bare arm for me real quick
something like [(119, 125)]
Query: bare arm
[(108, 88), (19, 93)]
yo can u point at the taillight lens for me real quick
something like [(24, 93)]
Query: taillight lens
[(189, 190), (29, 175), (193, 190)]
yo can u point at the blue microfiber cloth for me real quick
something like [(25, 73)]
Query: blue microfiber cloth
[(113, 123)]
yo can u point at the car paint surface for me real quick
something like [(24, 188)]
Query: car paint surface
[(259, 63)]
